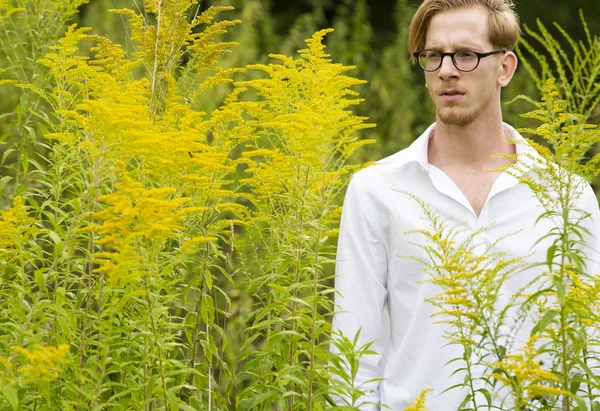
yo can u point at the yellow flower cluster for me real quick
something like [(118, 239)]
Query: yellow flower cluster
[(115, 122), (419, 403), (7, 10), (583, 299), (526, 377), (16, 229), (112, 117), (43, 364), (469, 281), (175, 32), (134, 217), (72, 74), (306, 126), (161, 46)]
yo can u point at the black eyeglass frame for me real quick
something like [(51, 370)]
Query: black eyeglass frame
[(416, 54)]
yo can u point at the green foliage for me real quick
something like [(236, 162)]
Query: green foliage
[(576, 69), (168, 239), (28, 30), (297, 170), (118, 260)]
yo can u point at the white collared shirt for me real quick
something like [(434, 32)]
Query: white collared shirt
[(372, 275)]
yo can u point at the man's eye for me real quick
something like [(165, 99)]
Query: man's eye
[(465, 55), (433, 55)]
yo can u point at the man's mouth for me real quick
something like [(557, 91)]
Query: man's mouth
[(451, 95)]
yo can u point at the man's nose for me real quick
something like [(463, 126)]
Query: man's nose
[(448, 69)]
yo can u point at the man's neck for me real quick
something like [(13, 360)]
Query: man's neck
[(470, 146)]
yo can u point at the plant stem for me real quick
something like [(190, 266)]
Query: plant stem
[(156, 344), (313, 336), (297, 277), (152, 110), (564, 198)]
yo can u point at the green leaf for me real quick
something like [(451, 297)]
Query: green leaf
[(189, 325), (244, 405), (3, 181), (196, 404), (465, 401), (58, 243), (11, 395), (5, 155), (501, 352), (208, 279), (60, 295), (581, 406), (487, 396), (207, 310), (466, 379), (21, 107), (576, 382), (172, 401), (190, 319), (279, 288), (40, 279), (550, 256), (544, 322)]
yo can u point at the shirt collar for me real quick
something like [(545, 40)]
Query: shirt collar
[(417, 152)]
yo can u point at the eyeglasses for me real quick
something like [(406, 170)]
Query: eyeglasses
[(464, 60)]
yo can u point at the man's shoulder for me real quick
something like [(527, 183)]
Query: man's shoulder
[(388, 164), (380, 171)]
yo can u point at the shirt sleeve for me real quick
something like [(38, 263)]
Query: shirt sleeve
[(361, 272)]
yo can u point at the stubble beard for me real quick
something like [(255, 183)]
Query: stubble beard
[(453, 114), (454, 117)]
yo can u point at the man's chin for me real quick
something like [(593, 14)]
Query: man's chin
[(454, 118)]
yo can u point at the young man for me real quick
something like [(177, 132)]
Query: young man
[(465, 48)]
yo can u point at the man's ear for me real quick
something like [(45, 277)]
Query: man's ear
[(507, 68)]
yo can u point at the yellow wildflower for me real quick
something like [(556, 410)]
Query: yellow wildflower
[(189, 246), (525, 376), (134, 214), (419, 403), (44, 364), (16, 229)]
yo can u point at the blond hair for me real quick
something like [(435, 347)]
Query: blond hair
[(503, 20)]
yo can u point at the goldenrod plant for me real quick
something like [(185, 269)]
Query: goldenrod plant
[(566, 295), (298, 166), (155, 256), (575, 68), (482, 322), (419, 403), (119, 257), (127, 212), (28, 30)]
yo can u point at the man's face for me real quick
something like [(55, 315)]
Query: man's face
[(460, 97)]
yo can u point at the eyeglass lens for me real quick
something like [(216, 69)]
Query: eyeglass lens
[(463, 60)]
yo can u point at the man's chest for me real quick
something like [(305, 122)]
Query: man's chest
[(474, 186), (422, 221), (421, 229)]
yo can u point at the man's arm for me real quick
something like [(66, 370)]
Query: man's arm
[(361, 273)]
